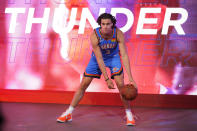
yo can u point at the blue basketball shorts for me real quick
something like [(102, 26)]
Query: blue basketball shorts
[(112, 62)]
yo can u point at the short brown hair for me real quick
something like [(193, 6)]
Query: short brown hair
[(107, 16)]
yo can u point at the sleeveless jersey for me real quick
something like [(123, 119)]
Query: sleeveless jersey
[(108, 47)]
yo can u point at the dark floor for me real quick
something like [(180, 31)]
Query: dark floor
[(42, 117)]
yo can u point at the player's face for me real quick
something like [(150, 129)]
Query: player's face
[(106, 26)]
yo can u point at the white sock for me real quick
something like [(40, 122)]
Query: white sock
[(68, 111), (129, 114)]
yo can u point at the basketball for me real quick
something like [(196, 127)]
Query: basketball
[(129, 92)]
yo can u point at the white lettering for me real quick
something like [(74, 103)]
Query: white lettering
[(14, 12), (43, 21), (175, 23), (142, 20)]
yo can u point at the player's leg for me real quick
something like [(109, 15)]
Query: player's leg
[(120, 83), (119, 80), (67, 115), (117, 74), (92, 71), (80, 91)]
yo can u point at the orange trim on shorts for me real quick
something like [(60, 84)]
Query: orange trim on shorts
[(92, 74)]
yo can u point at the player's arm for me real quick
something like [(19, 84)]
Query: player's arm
[(99, 58), (124, 55)]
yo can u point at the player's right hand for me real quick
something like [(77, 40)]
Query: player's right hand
[(110, 84)]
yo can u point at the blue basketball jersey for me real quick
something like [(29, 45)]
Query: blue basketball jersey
[(110, 52), (108, 47)]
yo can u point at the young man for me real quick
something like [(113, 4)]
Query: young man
[(108, 44)]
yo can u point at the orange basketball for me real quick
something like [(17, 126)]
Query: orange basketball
[(129, 92)]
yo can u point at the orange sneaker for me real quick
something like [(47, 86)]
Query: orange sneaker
[(130, 123), (65, 118)]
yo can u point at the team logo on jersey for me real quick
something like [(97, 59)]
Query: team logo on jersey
[(115, 69), (113, 40)]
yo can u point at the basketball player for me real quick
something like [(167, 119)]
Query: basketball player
[(108, 44)]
